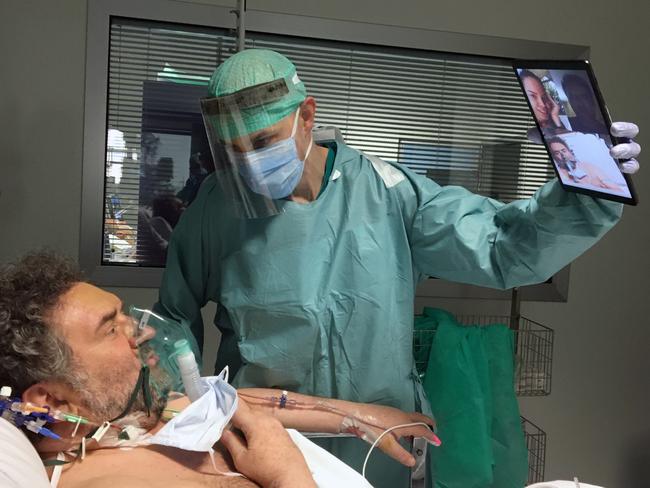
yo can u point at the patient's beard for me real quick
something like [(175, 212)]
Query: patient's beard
[(107, 397)]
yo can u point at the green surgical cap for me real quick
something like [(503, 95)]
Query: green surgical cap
[(247, 69)]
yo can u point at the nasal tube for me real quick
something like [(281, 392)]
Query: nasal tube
[(190, 374)]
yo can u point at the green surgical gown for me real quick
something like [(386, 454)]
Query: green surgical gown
[(319, 299)]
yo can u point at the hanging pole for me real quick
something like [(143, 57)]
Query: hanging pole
[(515, 316), (241, 29), (515, 309)]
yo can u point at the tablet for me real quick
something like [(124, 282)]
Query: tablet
[(573, 121)]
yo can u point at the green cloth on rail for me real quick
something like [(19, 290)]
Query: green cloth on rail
[(469, 381)]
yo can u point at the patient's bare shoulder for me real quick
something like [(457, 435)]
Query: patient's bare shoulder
[(111, 481), (149, 467)]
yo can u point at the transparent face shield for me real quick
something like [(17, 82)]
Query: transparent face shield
[(254, 150)]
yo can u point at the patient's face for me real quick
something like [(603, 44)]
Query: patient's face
[(561, 154), (106, 365)]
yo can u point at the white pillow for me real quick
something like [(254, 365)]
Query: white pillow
[(562, 484), (20, 465)]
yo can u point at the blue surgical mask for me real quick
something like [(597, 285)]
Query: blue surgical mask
[(274, 171)]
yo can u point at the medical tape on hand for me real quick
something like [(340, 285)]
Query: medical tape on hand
[(354, 426)]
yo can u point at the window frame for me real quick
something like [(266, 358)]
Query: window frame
[(99, 15)]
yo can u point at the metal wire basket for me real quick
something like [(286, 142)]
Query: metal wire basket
[(536, 444), (533, 350), (534, 358)]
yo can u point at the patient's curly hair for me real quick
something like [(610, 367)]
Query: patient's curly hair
[(30, 349)]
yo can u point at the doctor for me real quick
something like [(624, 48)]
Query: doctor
[(313, 252)]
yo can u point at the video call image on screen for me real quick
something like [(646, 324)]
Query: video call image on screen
[(574, 129)]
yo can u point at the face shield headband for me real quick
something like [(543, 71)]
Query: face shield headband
[(253, 181)]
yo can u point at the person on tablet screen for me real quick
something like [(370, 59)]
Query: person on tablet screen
[(588, 118), (573, 171), (545, 109)]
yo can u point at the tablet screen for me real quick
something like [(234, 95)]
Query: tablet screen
[(566, 107)]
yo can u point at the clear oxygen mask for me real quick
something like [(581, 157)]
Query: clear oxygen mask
[(155, 337)]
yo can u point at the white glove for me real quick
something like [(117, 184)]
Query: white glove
[(629, 150)]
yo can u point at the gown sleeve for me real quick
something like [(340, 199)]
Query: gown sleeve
[(460, 236)]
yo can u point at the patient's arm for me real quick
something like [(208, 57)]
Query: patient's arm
[(312, 414)]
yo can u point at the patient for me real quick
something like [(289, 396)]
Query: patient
[(575, 171), (62, 346)]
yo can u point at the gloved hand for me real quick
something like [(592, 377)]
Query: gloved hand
[(627, 150), (621, 151)]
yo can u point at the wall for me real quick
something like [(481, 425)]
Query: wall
[(596, 416)]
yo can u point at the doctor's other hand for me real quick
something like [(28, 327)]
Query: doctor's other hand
[(265, 454), (629, 150), (370, 421)]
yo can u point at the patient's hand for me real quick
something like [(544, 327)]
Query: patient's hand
[(369, 421), (266, 454)]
